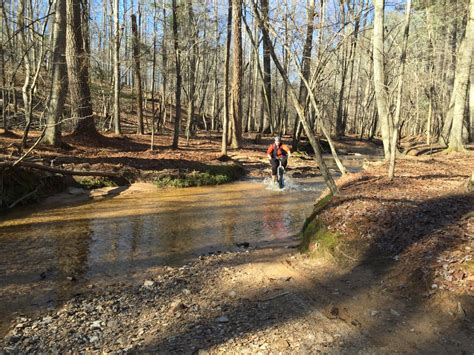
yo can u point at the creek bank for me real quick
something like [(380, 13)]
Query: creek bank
[(23, 186), (416, 233)]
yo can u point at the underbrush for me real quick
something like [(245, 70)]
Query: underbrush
[(214, 175), (91, 183), (20, 186)]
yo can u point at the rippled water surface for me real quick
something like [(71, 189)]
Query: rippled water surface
[(45, 254)]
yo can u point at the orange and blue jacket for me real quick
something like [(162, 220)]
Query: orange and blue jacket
[(278, 151)]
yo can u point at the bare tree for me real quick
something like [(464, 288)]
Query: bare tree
[(117, 80), (379, 75), (267, 75), (59, 84), (192, 47), (177, 118), (78, 70), (225, 124), (396, 119), (237, 74), (461, 83), (138, 78)]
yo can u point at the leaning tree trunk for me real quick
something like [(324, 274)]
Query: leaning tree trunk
[(237, 74), (379, 76), (461, 82), (138, 78), (52, 134), (177, 118), (78, 71)]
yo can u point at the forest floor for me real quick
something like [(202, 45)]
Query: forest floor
[(398, 279), (130, 157)]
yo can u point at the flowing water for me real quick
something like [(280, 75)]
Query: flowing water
[(45, 255)]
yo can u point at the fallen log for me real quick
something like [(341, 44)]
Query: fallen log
[(60, 171)]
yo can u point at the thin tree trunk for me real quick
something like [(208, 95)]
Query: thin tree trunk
[(379, 75), (27, 63), (396, 119), (237, 74), (192, 48), (225, 124), (138, 78), (306, 67), (117, 128), (178, 77), (153, 76), (267, 75)]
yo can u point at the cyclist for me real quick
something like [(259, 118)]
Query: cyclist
[(277, 151)]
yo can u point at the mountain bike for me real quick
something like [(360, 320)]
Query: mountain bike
[(280, 174)]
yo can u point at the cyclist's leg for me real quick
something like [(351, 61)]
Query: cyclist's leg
[(274, 163)]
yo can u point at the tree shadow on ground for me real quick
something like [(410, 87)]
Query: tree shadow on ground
[(315, 297)]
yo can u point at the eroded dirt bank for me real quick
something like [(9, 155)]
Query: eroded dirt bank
[(397, 279)]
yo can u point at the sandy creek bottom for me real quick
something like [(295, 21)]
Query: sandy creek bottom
[(47, 255)]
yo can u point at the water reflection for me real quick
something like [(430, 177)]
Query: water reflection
[(46, 255)]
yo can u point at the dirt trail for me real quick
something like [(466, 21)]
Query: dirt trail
[(269, 301)]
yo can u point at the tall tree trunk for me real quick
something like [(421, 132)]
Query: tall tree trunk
[(306, 67), (27, 66), (471, 107), (340, 129), (237, 74), (177, 118), (138, 78), (59, 76), (267, 75), (461, 81), (396, 119), (379, 75), (153, 76), (78, 71), (164, 58), (225, 124), (215, 100), (192, 48), (117, 128), (5, 101)]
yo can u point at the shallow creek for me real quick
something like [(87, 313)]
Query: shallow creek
[(48, 255)]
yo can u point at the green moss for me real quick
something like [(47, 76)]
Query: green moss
[(91, 183), (317, 240), (318, 207), (214, 175)]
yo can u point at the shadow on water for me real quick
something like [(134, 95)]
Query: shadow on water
[(48, 256), (450, 334)]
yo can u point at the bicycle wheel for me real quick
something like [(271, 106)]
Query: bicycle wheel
[(281, 182)]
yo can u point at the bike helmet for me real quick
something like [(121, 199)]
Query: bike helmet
[(277, 139)]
